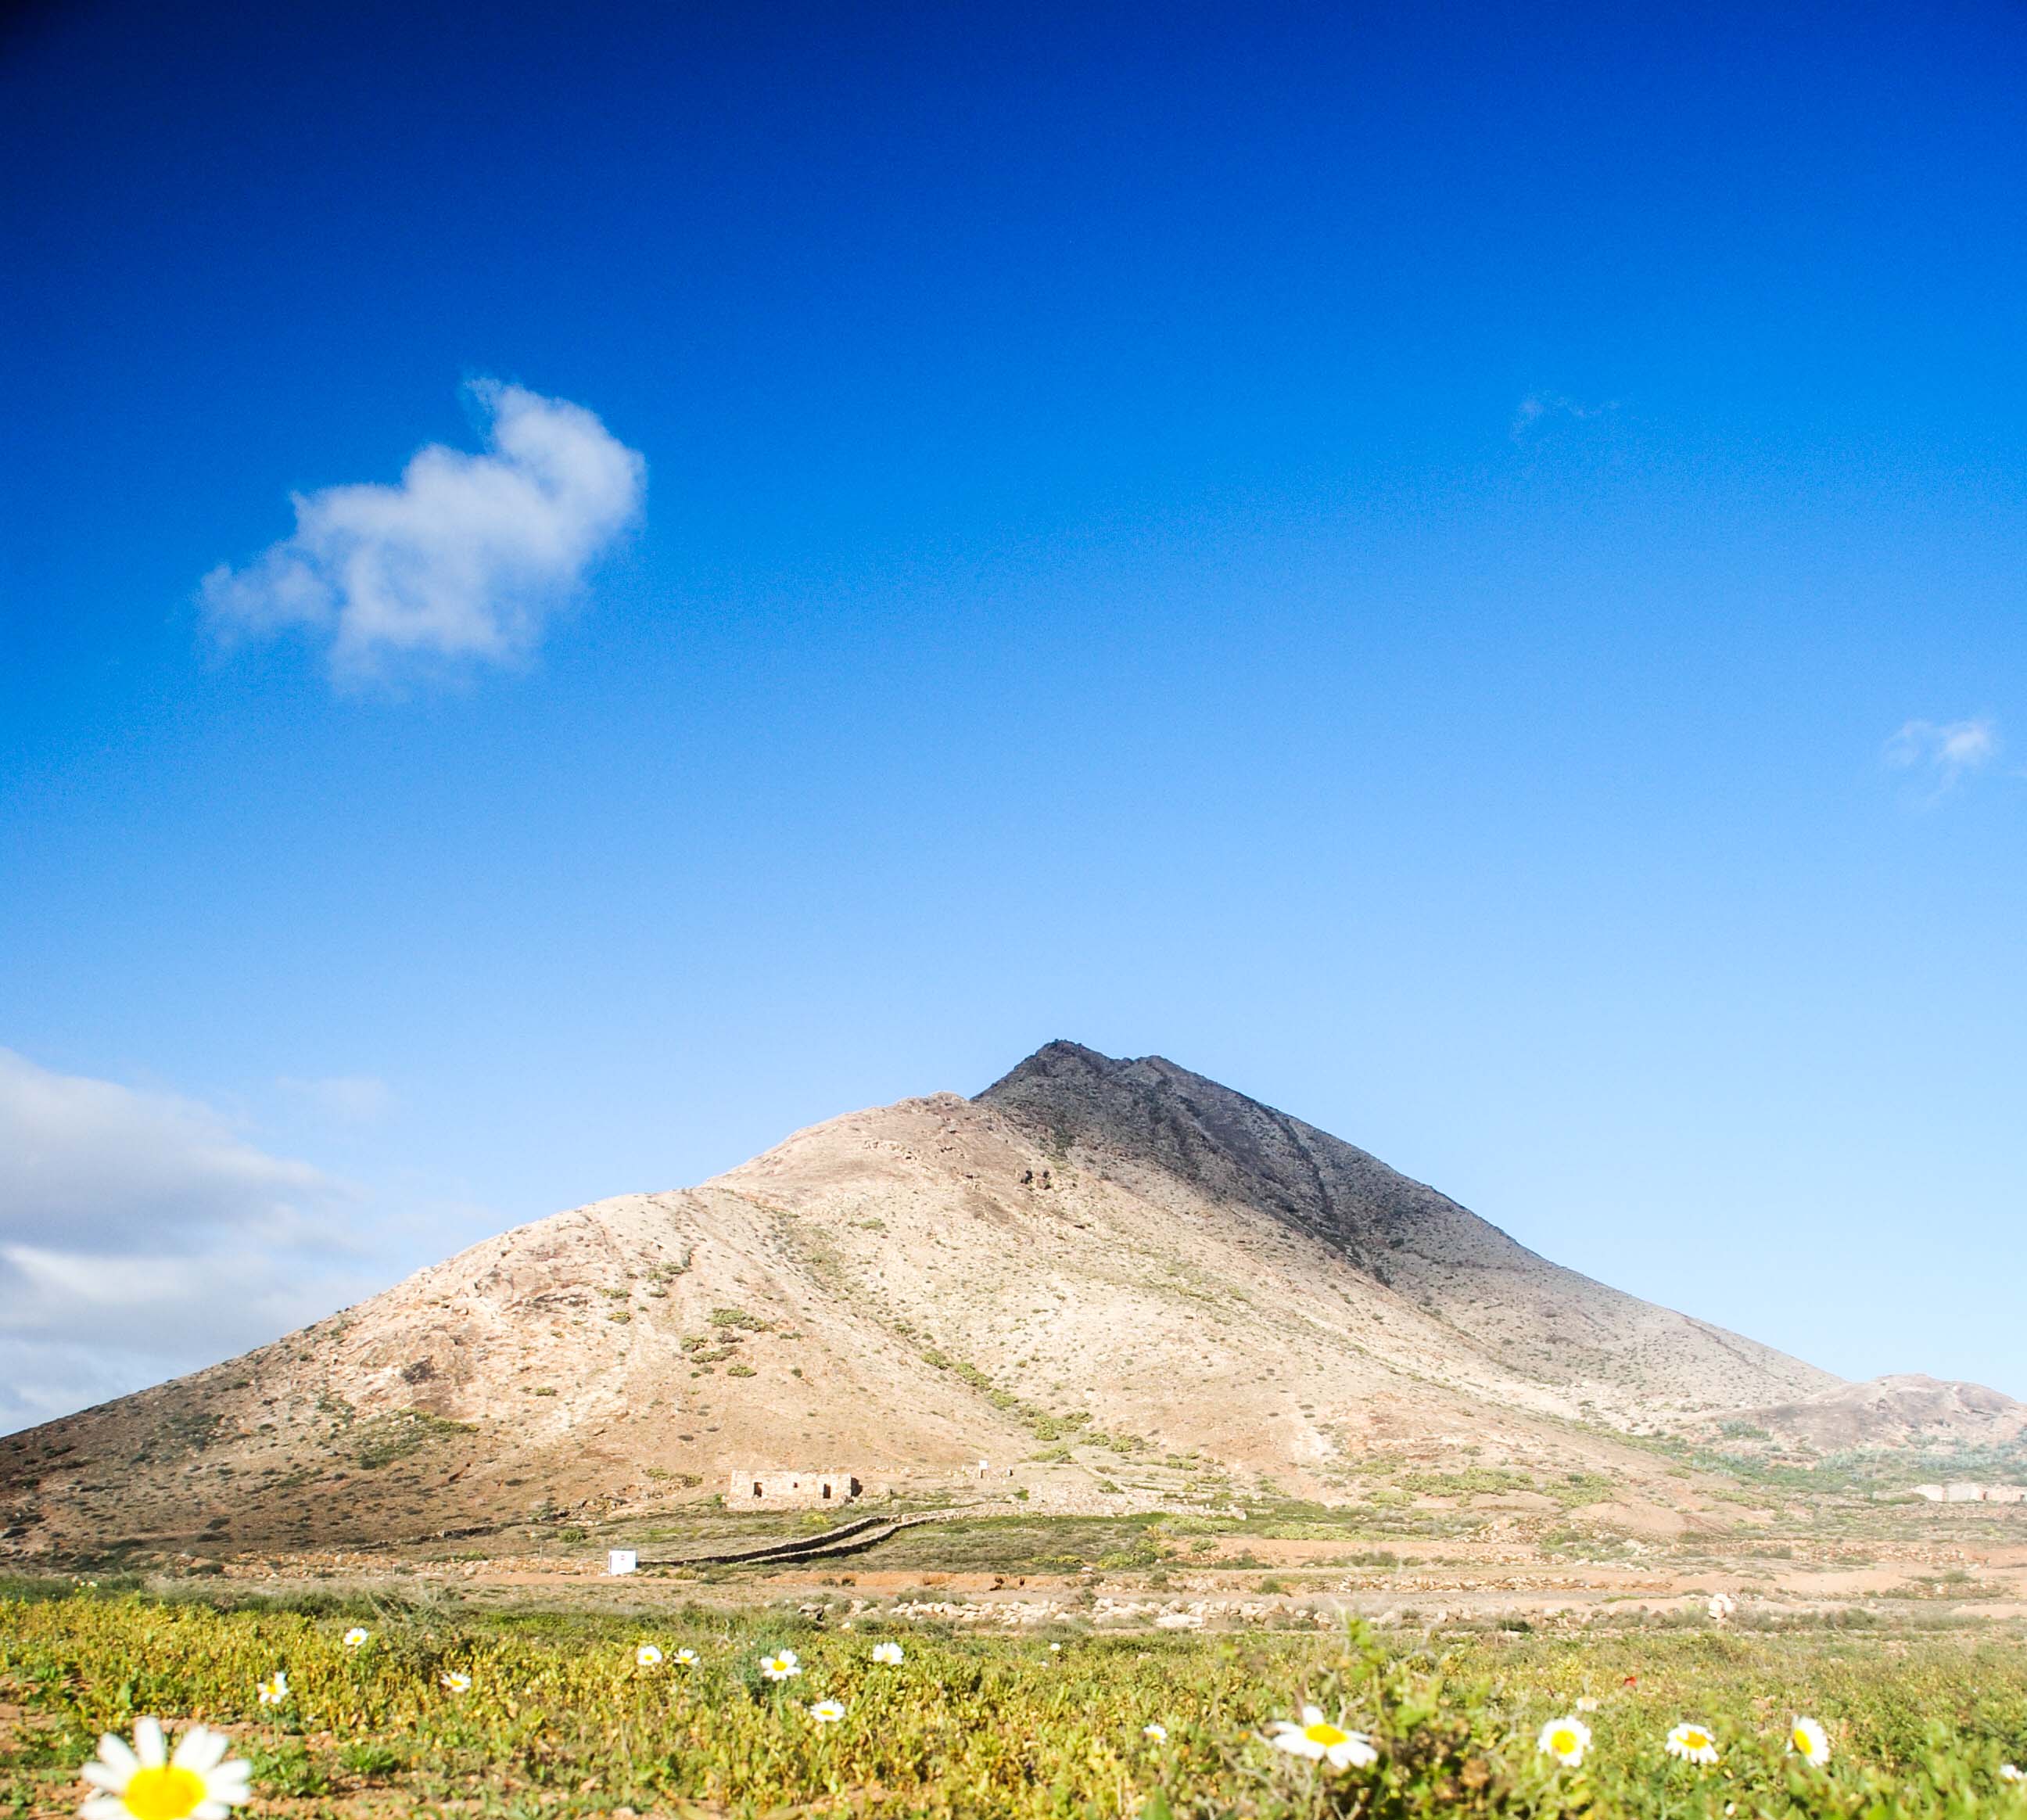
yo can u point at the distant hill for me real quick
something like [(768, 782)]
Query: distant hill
[(1904, 1411), (1111, 1279)]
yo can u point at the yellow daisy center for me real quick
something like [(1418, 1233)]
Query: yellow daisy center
[(166, 1793), (1562, 1742), (1323, 1733), (1695, 1740)]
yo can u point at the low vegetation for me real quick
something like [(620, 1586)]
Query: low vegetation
[(538, 1713)]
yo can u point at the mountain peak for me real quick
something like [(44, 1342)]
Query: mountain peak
[(1173, 1134), (1100, 1247), (1068, 1074), (1148, 1110), (1058, 1061)]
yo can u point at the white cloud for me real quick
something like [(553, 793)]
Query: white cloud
[(91, 1165), (467, 559), (141, 1234), (1944, 751), (211, 1306), (349, 1099)]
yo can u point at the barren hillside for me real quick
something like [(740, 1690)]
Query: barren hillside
[(1107, 1278)]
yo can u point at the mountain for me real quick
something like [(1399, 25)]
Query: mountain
[(1905, 1411), (1568, 1343), (1097, 1273)]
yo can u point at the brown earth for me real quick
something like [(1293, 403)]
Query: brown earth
[(1916, 1567)]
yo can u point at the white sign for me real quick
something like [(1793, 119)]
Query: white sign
[(620, 1560)]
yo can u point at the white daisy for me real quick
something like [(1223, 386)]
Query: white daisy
[(1692, 1744), (356, 1636), (1566, 1740), (1159, 1732), (274, 1689), (143, 1781), (456, 1681), (647, 1656), (783, 1667), (889, 1653), (1808, 1740), (686, 1658), (828, 1712), (1315, 1736), (2012, 1773)]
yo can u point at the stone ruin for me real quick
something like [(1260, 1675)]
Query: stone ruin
[(1964, 1492), (768, 1489)]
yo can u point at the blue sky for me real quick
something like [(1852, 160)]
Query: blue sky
[(1461, 572)]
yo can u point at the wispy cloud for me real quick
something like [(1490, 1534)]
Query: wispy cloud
[(349, 1099), (141, 1234), (91, 1165), (1536, 405), (467, 560), (1943, 753)]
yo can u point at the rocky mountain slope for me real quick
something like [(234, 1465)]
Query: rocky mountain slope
[(1167, 1131), (1106, 1279)]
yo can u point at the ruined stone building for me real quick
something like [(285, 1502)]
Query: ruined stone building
[(1967, 1493), (770, 1489)]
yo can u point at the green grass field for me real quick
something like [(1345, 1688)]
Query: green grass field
[(560, 1719)]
